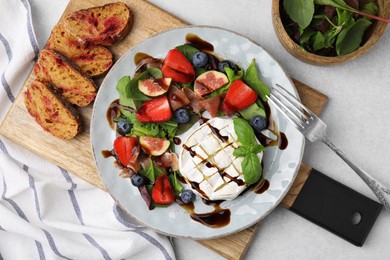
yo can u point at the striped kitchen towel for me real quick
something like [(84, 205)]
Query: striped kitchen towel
[(45, 211)]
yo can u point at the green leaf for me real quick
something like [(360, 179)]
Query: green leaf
[(251, 77), (251, 168), (334, 3), (350, 37), (134, 91), (318, 41), (142, 129), (306, 35), (124, 94), (241, 151), (152, 171), (369, 8), (155, 73), (244, 131), (344, 17), (176, 185), (300, 11), (168, 129), (257, 148), (251, 111), (187, 50)]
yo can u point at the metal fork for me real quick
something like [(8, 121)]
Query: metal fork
[(314, 129)]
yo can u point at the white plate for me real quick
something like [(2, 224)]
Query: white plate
[(280, 167)]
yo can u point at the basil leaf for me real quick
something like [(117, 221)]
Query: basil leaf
[(187, 50), (251, 168), (350, 37), (257, 148), (251, 77), (318, 41), (176, 185), (241, 151), (244, 132), (300, 11)]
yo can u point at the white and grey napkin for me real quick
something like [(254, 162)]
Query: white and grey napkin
[(45, 211)]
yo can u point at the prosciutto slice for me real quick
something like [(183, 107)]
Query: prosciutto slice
[(177, 98), (211, 105), (194, 100)]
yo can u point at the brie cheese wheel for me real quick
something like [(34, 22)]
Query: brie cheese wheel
[(207, 162)]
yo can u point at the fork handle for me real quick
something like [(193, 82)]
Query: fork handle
[(381, 191)]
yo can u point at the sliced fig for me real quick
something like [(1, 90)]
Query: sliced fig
[(209, 81), (153, 145), (154, 87)]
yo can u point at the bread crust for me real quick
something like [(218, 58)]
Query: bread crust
[(77, 88), (51, 111), (103, 25), (94, 60)]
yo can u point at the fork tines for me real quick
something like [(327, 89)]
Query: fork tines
[(290, 107)]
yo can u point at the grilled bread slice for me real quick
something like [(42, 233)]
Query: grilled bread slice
[(51, 111), (104, 25), (92, 60), (76, 87)]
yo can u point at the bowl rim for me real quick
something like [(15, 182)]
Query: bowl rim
[(303, 55)]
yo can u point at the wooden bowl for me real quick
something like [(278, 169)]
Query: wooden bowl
[(298, 52)]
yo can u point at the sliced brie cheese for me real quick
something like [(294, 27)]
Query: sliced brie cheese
[(207, 162)]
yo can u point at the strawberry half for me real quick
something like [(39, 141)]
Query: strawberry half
[(162, 192), (155, 110), (177, 67), (126, 148), (238, 97)]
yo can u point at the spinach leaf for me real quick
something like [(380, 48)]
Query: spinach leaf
[(251, 111), (350, 37), (187, 50), (133, 89), (369, 8), (318, 41), (251, 77), (155, 73), (251, 168), (125, 99), (300, 11), (334, 3), (152, 171), (244, 131), (176, 185)]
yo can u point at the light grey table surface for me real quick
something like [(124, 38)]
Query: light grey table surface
[(358, 116)]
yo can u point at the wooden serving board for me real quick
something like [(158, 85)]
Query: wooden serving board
[(76, 155)]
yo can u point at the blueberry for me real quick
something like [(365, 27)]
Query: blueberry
[(137, 180), (200, 59), (187, 196), (182, 115), (227, 63), (123, 127), (258, 123)]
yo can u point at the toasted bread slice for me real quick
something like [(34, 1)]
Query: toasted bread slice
[(51, 111), (104, 25), (92, 60), (76, 87)]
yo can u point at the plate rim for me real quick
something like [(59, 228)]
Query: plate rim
[(230, 232)]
